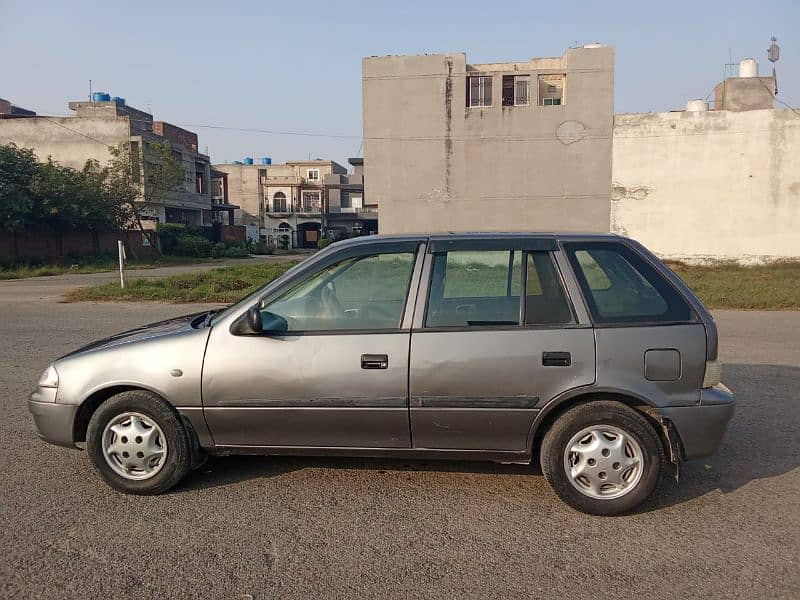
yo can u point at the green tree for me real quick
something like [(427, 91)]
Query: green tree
[(139, 177), (17, 167), (48, 194)]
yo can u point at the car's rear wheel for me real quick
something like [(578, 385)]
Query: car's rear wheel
[(602, 458), (138, 444)]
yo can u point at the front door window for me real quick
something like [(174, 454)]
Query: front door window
[(366, 292)]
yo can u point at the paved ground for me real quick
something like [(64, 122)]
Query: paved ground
[(51, 288), (307, 528)]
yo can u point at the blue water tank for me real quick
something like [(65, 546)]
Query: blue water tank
[(118, 99), (266, 160), (248, 160), (101, 97)]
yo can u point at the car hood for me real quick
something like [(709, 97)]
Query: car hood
[(153, 330)]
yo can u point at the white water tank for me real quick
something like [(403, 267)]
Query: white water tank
[(748, 68), (696, 106)]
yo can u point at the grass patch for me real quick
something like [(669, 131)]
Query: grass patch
[(768, 287), (95, 264), (725, 285), (227, 284)]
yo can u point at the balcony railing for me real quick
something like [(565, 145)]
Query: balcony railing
[(305, 208)]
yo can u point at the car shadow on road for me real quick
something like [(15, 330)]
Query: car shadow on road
[(761, 443), (227, 470)]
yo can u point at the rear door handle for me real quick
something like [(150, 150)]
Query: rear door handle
[(556, 359), (374, 361)]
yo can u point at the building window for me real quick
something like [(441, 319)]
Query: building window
[(551, 90), (279, 202), (479, 91), (311, 202), (313, 174), (516, 90), (351, 202)]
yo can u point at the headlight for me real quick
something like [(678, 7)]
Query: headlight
[(49, 378), (713, 373)]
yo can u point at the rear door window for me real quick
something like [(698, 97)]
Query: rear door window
[(473, 288), (622, 287)]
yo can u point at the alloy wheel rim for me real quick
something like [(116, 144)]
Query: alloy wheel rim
[(603, 462), (134, 446)]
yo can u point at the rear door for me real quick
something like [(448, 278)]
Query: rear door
[(495, 337)]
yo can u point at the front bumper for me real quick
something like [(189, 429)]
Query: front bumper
[(702, 427), (54, 422)]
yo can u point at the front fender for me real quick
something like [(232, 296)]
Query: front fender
[(170, 366)]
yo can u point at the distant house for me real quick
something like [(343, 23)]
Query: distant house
[(98, 126), (281, 199), (348, 212)]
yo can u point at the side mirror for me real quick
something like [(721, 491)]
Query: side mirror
[(254, 322)]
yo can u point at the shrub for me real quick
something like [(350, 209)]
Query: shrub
[(236, 251), (323, 242), (283, 240), (218, 250), (168, 236), (193, 245), (263, 247)]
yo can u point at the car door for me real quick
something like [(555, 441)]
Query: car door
[(337, 376), (495, 338)]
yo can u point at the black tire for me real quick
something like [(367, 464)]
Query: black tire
[(178, 459), (603, 412)]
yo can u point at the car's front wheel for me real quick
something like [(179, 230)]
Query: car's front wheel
[(138, 444), (602, 458)]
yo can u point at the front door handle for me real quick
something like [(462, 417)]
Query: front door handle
[(556, 359), (374, 361)]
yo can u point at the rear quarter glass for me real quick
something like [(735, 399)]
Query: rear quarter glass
[(621, 287)]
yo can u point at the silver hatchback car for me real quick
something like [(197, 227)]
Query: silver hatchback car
[(583, 352)]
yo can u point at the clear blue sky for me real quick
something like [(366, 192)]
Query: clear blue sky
[(296, 66)]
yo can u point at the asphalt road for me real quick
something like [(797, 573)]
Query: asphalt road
[(308, 528)]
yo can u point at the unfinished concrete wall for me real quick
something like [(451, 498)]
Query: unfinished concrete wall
[(745, 93), (244, 190), (433, 163), (709, 185), (68, 140)]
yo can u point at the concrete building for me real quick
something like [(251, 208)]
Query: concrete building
[(11, 110), (704, 185), (348, 212), (748, 91), (453, 146), (222, 211), (97, 127), (281, 199)]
